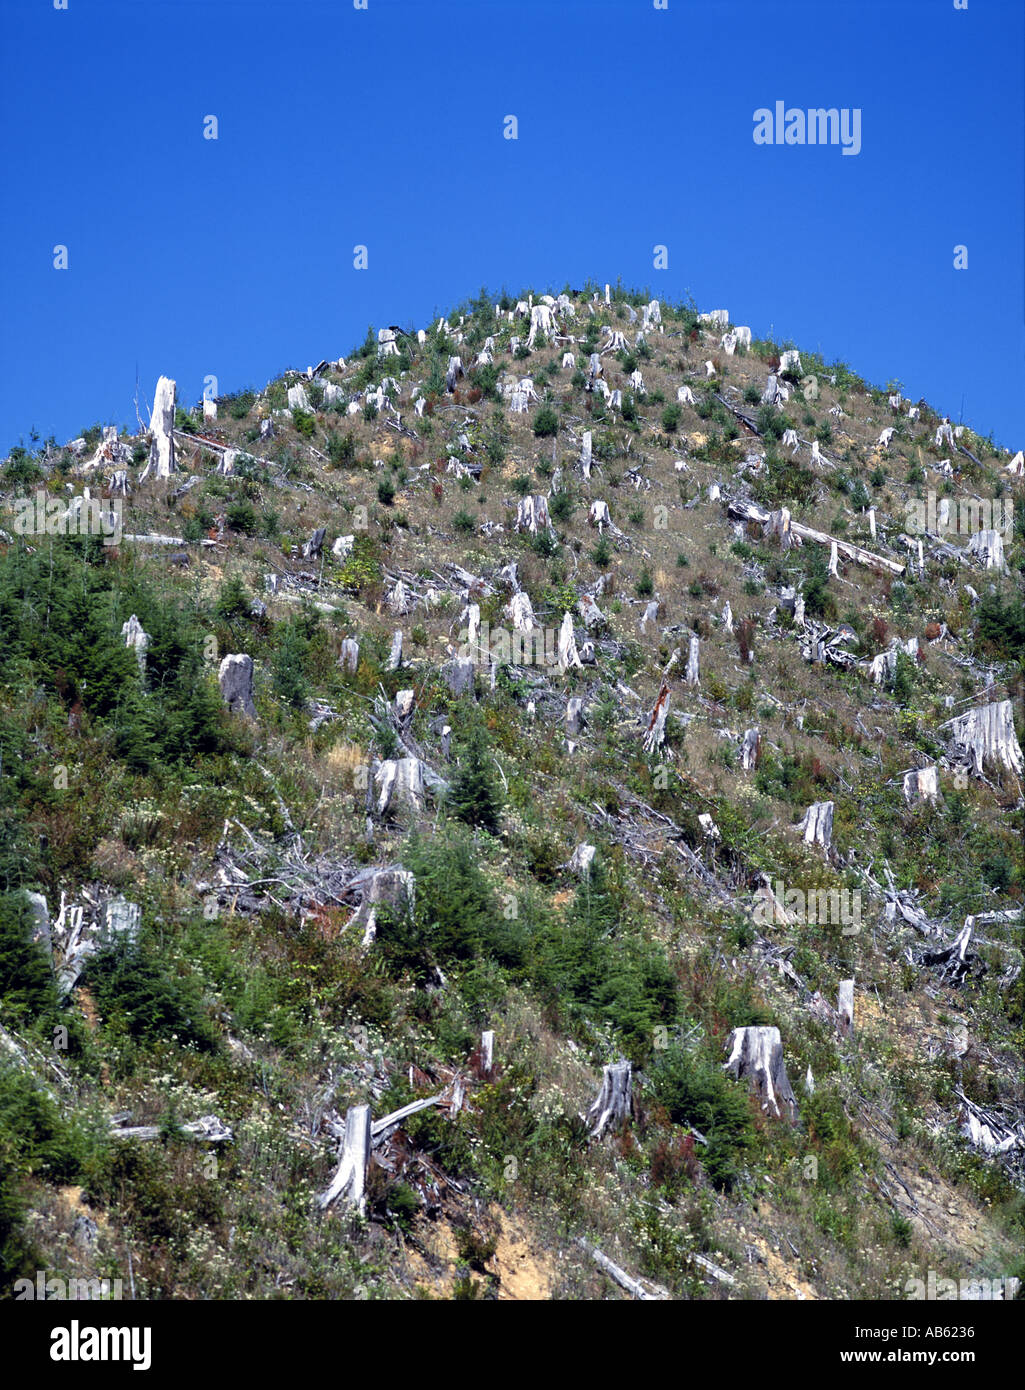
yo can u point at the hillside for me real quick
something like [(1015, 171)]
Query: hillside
[(523, 715)]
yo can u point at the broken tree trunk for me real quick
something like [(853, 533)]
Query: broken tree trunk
[(613, 1106), (987, 735), (625, 1281), (235, 678), (581, 859), (576, 721), (956, 959), (747, 511), (208, 1129), (757, 1054), (568, 654), (845, 1006), (585, 454), (161, 425), (749, 749), (135, 637), (692, 661), (656, 732), (921, 786), (817, 825), (532, 514), (349, 1181)]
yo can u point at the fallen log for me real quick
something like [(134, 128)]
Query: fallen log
[(747, 511), (208, 1129), (653, 1293)]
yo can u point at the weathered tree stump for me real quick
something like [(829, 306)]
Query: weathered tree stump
[(757, 1054), (235, 678), (817, 825), (921, 787), (161, 424), (568, 654), (986, 734), (613, 1106), (349, 1181), (845, 1006)]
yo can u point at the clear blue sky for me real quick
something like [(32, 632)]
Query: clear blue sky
[(384, 127)]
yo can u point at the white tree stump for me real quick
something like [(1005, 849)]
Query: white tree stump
[(312, 548), (780, 525), (348, 657), (394, 887), (401, 786), (921, 786), (134, 636), (692, 661), (532, 514), (988, 546), (520, 612), (161, 424), (845, 1006), (655, 734), (590, 612), (650, 614), (986, 734), (458, 675), (757, 1055), (235, 678), (568, 654), (613, 1106), (542, 320), (581, 859), (817, 825), (350, 1179), (616, 343), (576, 721), (750, 749)]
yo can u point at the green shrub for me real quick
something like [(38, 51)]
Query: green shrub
[(27, 990), (34, 1141), (561, 505), (546, 423), (341, 449), (386, 490), (474, 794), (137, 996), (696, 1092), (241, 516)]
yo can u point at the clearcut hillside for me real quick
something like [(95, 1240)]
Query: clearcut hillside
[(544, 782)]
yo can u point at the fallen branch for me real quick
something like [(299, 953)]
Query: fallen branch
[(653, 1294)]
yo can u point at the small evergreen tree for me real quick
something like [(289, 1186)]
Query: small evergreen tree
[(474, 796)]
